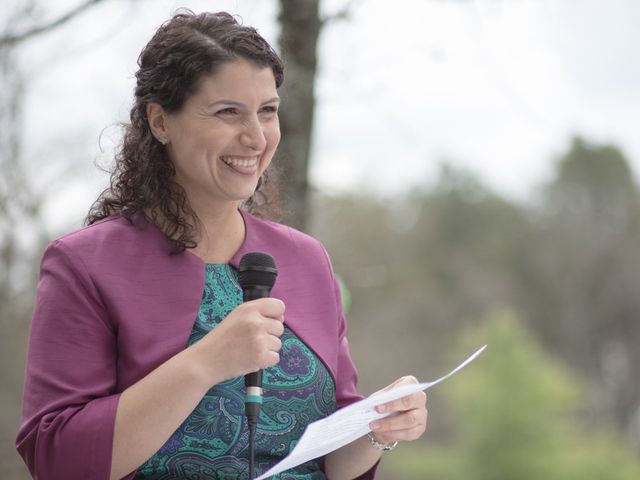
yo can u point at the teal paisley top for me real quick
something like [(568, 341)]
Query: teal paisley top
[(212, 443)]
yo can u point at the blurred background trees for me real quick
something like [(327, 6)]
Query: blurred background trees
[(514, 417), (587, 267), (424, 268), (22, 236), (550, 283)]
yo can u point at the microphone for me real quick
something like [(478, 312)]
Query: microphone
[(256, 275)]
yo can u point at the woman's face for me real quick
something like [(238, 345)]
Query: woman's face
[(226, 134)]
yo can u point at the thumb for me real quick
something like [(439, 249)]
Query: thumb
[(407, 379)]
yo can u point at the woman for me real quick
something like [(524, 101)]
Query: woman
[(140, 339)]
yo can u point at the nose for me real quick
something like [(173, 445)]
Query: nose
[(252, 134)]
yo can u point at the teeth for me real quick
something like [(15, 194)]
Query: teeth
[(240, 162)]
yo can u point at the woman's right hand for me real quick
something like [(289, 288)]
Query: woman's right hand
[(247, 340)]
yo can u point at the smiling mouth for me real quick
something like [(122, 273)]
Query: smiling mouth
[(241, 162)]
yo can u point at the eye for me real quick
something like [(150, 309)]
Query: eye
[(269, 109), (227, 111)]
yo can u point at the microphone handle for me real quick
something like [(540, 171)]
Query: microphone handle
[(253, 381), (254, 292)]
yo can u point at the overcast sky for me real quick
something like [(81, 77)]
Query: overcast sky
[(495, 86)]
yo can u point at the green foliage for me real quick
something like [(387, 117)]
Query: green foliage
[(596, 170), (593, 185), (514, 411), (426, 266), (515, 405), (344, 294)]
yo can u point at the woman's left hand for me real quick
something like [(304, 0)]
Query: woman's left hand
[(408, 419)]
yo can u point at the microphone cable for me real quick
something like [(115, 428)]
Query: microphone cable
[(252, 404)]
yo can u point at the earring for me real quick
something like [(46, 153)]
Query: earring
[(162, 140)]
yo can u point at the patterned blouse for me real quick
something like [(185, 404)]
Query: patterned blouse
[(212, 443)]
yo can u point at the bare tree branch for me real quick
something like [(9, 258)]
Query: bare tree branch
[(12, 39)]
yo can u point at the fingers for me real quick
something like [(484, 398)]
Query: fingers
[(401, 381), (272, 358), (405, 426), (267, 343), (402, 421), (405, 435), (407, 379), (408, 419), (268, 307), (273, 344), (267, 354), (274, 327), (415, 400)]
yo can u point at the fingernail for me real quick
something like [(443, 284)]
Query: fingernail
[(380, 409), (375, 426)]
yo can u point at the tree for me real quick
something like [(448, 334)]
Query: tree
[(586, 269), (593, 189), (514, 415), (23, 233), (300, 28), (421, 267), (10, 39)]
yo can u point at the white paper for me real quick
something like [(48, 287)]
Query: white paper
[(349, 423)]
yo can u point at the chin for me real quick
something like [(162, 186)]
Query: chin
[(244, 196)]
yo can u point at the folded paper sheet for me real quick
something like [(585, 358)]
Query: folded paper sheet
[(349, 423)]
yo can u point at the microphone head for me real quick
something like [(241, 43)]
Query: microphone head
[(257, 269)]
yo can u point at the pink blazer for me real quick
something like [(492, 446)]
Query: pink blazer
[(112, 304)]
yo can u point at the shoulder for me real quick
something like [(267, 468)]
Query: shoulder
[(115, 247), (121, 263), (282, 240), (114, 235)]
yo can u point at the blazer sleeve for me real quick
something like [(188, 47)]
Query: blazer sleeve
[(70, 398), (346, 375)]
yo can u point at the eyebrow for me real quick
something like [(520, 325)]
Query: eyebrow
[(240, 104)]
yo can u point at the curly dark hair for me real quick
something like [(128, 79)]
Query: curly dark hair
[(181, 52)]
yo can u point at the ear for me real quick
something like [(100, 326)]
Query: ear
[(157, 118)]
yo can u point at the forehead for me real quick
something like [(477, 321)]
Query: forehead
[(239, 80)]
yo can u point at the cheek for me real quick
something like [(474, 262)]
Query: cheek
[(273, 139), (273, 136)]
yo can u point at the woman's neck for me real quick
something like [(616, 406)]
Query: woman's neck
[(219, 234)]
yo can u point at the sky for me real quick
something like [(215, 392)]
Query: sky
[(497, 87)]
